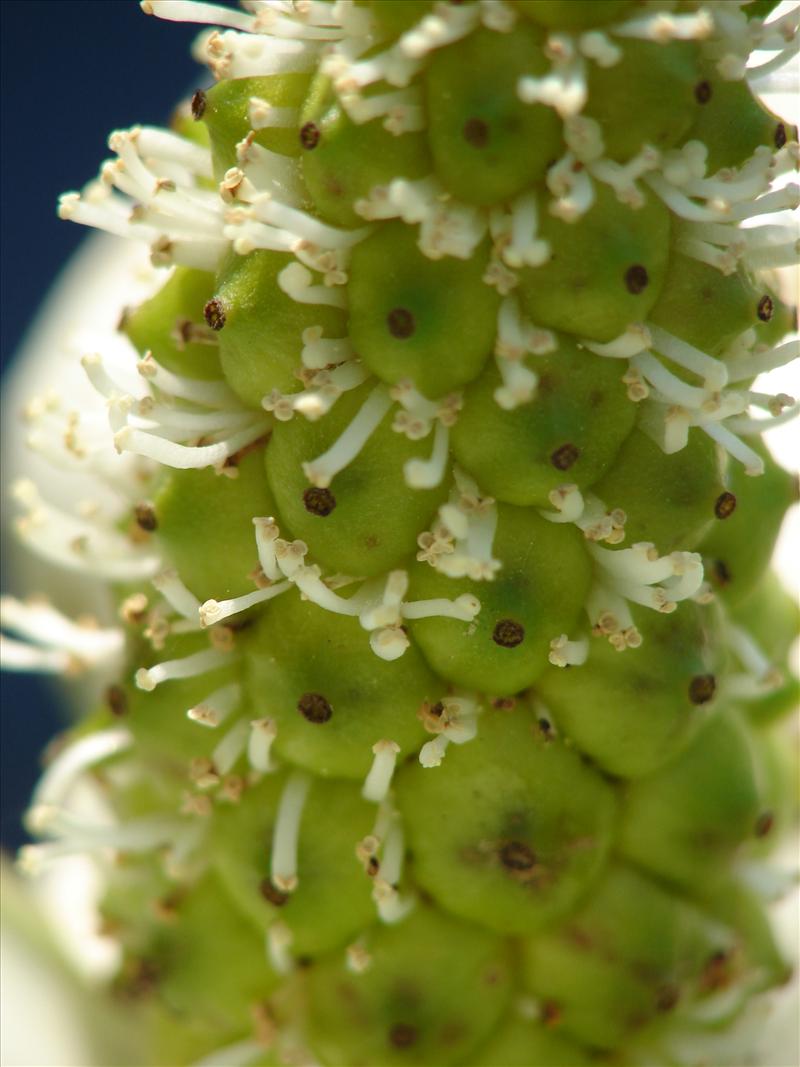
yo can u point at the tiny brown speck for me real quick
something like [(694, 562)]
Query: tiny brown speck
[(145, 515), (780, 135), (437, 710), (116, 700), (551, 1013), (198, 105), (545, 728), (564, 457), (721, 572), (702, 688), (508, 633), (314, 707), (764, 823), (273, 895), (476, 133), (703, 92), (667, 997), (401, 323), (516, 856), (725, 505), (214, 314), (636, 279), (402, 1035), (318, 501), (309, 135), (765, 308)]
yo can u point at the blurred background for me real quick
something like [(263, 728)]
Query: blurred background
[(71, 73)]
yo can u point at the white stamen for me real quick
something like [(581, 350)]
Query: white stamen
[(259, 745), (752, 462), (296, 281), (72, 762), (147, 678), (379, 778), (267, 533), (428, 473), (216, 706), (566, 653), (635, 339), (287, 827), (214, 611), (231, 747), (279, 940), (176, 594), (322, 470), (391, 906)]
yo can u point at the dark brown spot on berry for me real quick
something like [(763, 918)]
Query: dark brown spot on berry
[(718, 972), (437, 710), (667, 997), (116, 700), (145, 515), (780, 135), (319, 501), (309, 135), (508, 633), (564, 457), (314, 707), (273, 895), (725, 505), (198, 105), (516, 856), (551, 1013), (214, 314), (702, 688), (373, 866), (765, 308), (721, 572), (764, 823), (401, 323), (545, 728), (476, 133), (703, 92), (402, 1035), (636, 279)]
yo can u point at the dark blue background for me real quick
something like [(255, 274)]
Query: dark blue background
[(71, 72)]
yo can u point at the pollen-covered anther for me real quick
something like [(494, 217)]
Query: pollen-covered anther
[(566, 653), (379, 779), (214, 611), (283, 868), (203, 773), (216, 707), (358, 959), (663, 27), (571, 185), (453, 719)]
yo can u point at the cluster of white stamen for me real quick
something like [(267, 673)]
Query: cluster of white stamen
[(323, 389), (402, 110), (156, 426), (514, 233), (446, 227), (283, 863), (388, 841), (588, 513), (640, 576), (565, 86), (415, 419), (454, 720), (209, 659), (665, 26), (566, 653), (517, 337), (47, 641), (90, 544), (460, 544), (726, 246)]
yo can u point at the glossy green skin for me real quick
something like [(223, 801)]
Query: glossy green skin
[(738, 551), (669, 500), (226, 115), (685, 822), (205, 526), (615, 965), (487, 145), (541, 586), (261, 341), (516, 789), (582, 288), (524, 1043), (447, 981), (330, 178), (153, 326), (454, 311), (580, 400), (653, 87), (298, 648), (375, 522), (705, 308), (601, 707), (393, 18)]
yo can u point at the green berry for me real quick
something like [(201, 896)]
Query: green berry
[(574, 14)]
